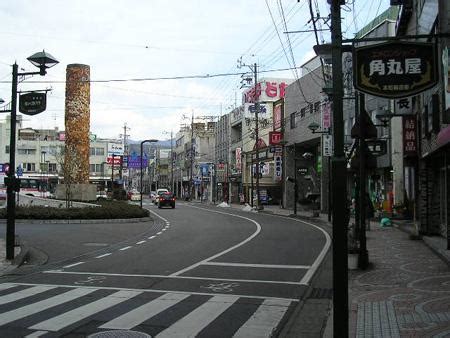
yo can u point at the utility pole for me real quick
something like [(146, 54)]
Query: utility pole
[(255, 71), (192, 158), (171, 162), (339, 187), (125, 150)]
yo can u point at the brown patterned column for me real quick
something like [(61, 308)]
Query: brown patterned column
[(77, 121)]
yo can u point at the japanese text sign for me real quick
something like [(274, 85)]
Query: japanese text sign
[(395, 69), (115, 148), (275, 137), (277, 116), (266, 91), (32, 103), (238, 155), (409, 136)]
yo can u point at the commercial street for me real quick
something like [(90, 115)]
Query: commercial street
[(196, 269)]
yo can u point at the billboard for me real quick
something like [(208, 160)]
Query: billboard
[(115, 148)]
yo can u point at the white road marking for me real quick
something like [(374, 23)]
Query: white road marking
[(176, 277), (311, 271), (6, 286), (125, 248), (269, 266), (68, 318), (72, 265), (191, 324), (151, 237), (163, 291), (144, 312), (36, 334), (141, 242), (104, 255), (24, 311), (264, 320), (164, 229), (11, 297), (248, 239), (159, 233)]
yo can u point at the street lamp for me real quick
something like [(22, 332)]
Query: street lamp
[(142, 173), (42, 60)]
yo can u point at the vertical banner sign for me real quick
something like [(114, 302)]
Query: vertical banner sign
[(446, 61), (238, 159), (326, 116), (327, 143), (277, 117), (409, 136), (278, 166)]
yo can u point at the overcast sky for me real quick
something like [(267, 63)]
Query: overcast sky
[(135, 39)]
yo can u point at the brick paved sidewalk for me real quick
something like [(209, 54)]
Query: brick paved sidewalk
[(406, 290)]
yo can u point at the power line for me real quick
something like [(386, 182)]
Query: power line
[(185, 77)]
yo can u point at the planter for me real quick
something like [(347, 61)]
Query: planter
[(352, 261)]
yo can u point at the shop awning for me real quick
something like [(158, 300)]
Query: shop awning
[(444, 136)]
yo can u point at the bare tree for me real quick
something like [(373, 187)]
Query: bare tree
[(70, 166)]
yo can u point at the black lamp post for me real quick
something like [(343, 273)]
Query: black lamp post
[(42, 60), (142, 171)]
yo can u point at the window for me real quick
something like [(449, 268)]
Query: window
[(292, 117), (26, 151), (52, 167), (92, 151), (29, 167), (96, 168), (100, 151), (311, 108), (302, 113)]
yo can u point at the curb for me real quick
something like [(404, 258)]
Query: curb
[(82, 221)]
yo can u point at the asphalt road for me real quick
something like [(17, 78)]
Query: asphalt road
[(195, 270)]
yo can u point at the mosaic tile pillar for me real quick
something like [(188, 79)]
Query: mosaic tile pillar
[(77, 120)]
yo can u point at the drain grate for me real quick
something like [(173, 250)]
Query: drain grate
[(319, 293)]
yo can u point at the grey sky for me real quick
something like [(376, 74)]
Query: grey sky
[(156, 38)]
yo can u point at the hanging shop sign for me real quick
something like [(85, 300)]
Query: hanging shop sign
[(275, 137), (278, 166), (32, 103), (409, 136), (395, 69)]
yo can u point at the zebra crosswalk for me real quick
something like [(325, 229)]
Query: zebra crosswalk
[(28, 310)]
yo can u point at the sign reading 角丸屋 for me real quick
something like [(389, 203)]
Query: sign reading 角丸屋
[(395, 69)]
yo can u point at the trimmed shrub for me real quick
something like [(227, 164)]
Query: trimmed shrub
[(107, 210)]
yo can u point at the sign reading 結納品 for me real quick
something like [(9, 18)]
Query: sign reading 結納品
[(395, 69)]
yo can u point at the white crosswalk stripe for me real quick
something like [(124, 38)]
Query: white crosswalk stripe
[(264, 320), (68, 318), (197, 320), (144, 312), (203, 311), (12, 297), (33, 308)]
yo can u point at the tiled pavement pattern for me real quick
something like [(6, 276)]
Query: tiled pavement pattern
[(405, 292)]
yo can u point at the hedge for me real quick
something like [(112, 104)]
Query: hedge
[(107, 210)]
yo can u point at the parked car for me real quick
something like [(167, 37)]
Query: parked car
[(158, 193), (166, 199), (134, 195)]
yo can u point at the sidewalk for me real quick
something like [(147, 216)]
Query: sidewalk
[(404, 293)]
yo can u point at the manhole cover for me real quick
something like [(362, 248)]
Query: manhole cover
[(120, 334)]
